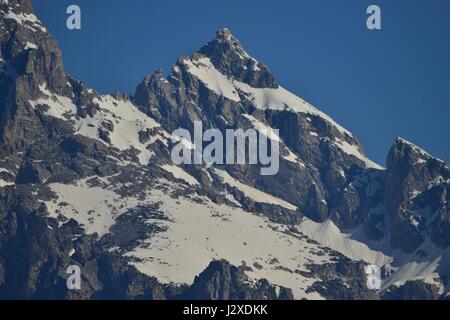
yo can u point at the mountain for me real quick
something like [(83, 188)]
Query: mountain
[(88, 180)]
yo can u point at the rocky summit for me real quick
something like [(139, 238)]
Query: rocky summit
[(87, 180)]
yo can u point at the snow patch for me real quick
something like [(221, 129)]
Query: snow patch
[(30, 45), (262, 98), (94, 207), (265, 129), (28, 20), (4, 183), (262, 128), (205, 71), (215, 231), (59, 106), (253, 193), (179, 173), (353, 150)]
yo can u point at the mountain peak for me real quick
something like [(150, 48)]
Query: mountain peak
[(406, 154), (223, 34), (229, 57), (401, 143), (25, 6)]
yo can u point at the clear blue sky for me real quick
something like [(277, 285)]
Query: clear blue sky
[(378, 84)]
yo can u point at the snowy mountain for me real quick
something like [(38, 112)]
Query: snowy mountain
[(87, 179)]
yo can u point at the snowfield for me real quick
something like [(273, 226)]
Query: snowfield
[(253, 193), (95, 208), (127, 120), (30, 21), (198, 233)]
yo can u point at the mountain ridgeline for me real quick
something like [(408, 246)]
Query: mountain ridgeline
[(87, 179)]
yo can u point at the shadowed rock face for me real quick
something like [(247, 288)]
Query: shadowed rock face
[(54, 130), (222, 281), (30, 57), (228, 56), (417, 193), (413, 290), (25, 6)]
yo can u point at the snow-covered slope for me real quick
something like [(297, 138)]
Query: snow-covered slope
[(265, 98), (115, 122), (200, 231)]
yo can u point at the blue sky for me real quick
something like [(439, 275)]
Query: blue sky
[(378, 84)]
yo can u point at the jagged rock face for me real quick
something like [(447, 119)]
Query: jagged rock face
[(228, 56), (416, 196), (87, 179), (413, 290), (35, 253), (342, 280), (30, 58), (222, 281)]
